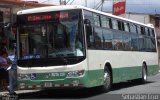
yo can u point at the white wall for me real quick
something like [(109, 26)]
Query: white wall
[(139, 17)]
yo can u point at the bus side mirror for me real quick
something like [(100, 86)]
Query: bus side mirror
[(87, 22), (88, 26)]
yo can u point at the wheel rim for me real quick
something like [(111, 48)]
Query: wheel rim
[(106, 79), (144, 74)]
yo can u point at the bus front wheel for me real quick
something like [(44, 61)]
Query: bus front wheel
[(107, 79)]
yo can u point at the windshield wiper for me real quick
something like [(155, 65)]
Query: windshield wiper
[(70, 55)]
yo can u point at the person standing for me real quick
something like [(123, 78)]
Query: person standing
[(4, 64), (12, 74)]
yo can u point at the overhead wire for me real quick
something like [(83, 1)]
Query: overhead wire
[(72, 2)]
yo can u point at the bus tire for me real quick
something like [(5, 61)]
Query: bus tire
[(144, 73), (107, 79)]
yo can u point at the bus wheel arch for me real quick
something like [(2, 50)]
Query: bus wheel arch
[(107, 77), (144, 72)]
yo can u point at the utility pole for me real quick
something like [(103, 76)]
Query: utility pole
[(62, 2), (100, 4)]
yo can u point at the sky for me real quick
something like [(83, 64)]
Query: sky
[(136, 6)]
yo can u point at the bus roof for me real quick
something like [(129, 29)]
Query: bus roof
[(69, 7)]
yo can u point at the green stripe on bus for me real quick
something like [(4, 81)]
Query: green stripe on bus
[(130, 73), (153, 70), (95, 77), (126, 73)]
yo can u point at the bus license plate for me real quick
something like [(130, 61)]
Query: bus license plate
[(48, 84)]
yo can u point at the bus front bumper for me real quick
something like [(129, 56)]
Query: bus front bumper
[(56, 80)]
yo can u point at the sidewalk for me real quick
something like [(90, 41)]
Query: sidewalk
[(19, 92)]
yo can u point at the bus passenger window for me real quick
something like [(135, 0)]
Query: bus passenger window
[(108, 37), (96, 20), (133, 28), (141, 42), (89, 35), (134, 43), (127, 42), (120, 25), (98, 38), (153, 45), (88, 16), (142, 30), (126, 27), (105, 22), (118, 41), (146, 31), (139, 29), (114, 24), (152, 32)]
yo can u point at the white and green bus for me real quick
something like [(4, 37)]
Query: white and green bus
[(78, 47)]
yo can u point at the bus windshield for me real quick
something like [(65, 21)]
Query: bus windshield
[(51, 35)]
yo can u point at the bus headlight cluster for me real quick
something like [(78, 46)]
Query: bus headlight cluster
[(77, 73), (23, 76)]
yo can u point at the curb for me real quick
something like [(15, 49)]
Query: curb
[(19, 92)]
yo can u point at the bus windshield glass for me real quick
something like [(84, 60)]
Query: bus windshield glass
[(51, 35)]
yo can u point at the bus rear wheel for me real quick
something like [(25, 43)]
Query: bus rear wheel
[(107, 80), (144, 73)]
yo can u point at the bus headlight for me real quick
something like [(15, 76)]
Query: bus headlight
[(23, 76), (77, 73)]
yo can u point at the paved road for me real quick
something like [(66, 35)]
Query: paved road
[(121, 91)]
